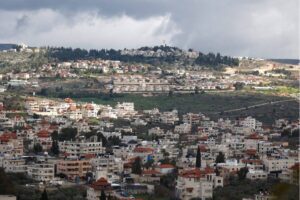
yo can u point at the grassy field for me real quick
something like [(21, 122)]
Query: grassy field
[(211, 104), (279, 91)]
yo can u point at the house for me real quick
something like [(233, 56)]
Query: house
[(251, 141), (150, 176), (156, 131), (41, 172), (77, 149), (291, 175), (166, 168), (277, 165), (169, 117), (183, 128), (145, 153), (197, 183), (257, 175), (73, 168), (192, 118), (14, 165), (251, 123), (95, 189), (43, 137)]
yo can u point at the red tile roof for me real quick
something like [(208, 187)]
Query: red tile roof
[(295, 166), (143, 150), (7, 136), (196, 173), (151, 172), (254, 136), (252, 161), (101, 184), (251, 151), (43, 134), (68, 100), (166, 166)]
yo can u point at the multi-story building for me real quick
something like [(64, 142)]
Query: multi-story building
[(191, 118), (145, 153), (251, 123), (278, 164), (44, 139), (291, 175), (77, 149), (41, 172), (183, 128), (95, 189), (13, 147), (197, 183), (73, 168), (257, 175), (14, 165), (107, 162)]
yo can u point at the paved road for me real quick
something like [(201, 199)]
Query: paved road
[(258, 105)]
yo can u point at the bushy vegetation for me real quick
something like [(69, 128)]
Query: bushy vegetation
[(238, 189), (14, 184), (21, 61), (216, 61)]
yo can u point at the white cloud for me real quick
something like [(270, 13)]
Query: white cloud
[(84, 29)]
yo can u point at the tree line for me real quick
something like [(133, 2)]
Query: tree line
[(209, 60)]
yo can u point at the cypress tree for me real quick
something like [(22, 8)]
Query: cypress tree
[(198, 158), (102, 196), (44, 195)]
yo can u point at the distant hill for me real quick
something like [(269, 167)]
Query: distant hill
[(156, 56), (287, 61), (4, 47)]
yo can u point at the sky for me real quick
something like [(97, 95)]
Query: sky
[(254, 28)]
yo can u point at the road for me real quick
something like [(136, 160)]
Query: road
[(258, 105)]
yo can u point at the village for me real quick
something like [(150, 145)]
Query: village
[(121, 152)]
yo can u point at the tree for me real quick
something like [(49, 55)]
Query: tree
[(44, 195), (242, 173), (114, 140), (54, 135), (6, 185), (102, 196), (67, 134), (136, 166), (149, 164), (220, 158), (198, 158), (239, 85), (37, 148), (35, 116), (196, 90), (55, 148)]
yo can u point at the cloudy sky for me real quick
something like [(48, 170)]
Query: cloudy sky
[(258, 28)]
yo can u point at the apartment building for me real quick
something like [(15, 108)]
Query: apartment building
[(77, 149), (278, 164), (14, 165), (192, 118), (73, 168), (197, 183), (41, 172), (183, 128)]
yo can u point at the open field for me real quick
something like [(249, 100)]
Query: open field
[(212, 104)]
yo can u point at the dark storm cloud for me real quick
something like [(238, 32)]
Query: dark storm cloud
[(260, 28)]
